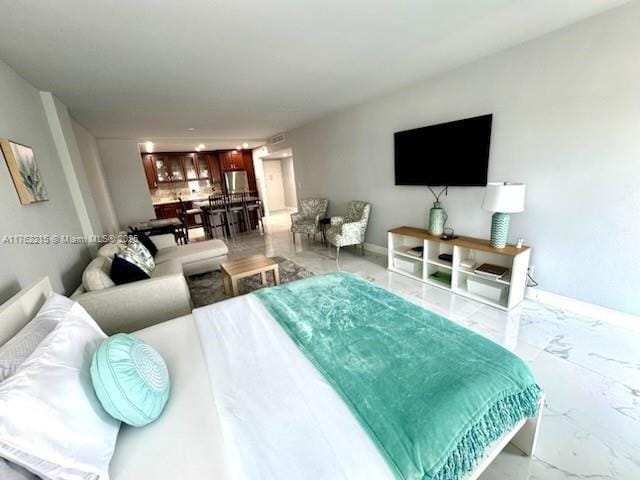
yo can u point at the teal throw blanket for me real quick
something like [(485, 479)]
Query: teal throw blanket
[(431, 394)]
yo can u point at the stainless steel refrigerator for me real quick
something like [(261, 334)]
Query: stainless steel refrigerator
[(236, 181)]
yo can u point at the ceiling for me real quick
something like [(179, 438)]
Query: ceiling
[(248, 69), (191, 144)]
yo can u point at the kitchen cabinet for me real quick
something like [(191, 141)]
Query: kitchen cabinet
[(149, 171), (171, 210), (231, 160), (161, 168), (208, 167), (175, 169), (189, 166)]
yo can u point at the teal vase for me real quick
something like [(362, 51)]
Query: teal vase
[(499, 229), (437, 219)]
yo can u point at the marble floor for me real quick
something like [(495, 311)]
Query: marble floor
[(589, 369)]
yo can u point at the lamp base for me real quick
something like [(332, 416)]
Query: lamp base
[(499, 229)]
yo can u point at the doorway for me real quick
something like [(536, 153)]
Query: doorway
[(275, 185), (276, 180)]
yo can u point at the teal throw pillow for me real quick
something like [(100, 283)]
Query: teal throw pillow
[(130, 379)]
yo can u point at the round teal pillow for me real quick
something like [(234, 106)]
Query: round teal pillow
[(130, 379)]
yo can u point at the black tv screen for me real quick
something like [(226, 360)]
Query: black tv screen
[(451, 154)]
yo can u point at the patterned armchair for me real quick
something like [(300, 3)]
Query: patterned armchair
[(350, 229), (308, 217)]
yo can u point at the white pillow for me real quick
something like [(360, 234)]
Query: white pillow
[(96, 275), (22, 344), (51, 421), (10, 471)]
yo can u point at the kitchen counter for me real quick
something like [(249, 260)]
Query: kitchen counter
[(195, 197)]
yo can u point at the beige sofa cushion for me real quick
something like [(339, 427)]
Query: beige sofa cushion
[(168, 267), (193, 252), (96, 275)]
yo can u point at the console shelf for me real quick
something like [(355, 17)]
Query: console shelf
[(504, 293)]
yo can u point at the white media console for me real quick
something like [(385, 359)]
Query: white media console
[(504, 293)]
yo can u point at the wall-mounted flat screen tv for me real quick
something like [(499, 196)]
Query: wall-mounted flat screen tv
[(452, 154)]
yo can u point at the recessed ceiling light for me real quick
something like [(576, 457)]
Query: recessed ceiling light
[(148, 146), (201, 146), (191, 129), (198, 149), (245, 145), (238, 147)]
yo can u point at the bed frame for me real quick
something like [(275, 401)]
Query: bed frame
[(22, 307), (16, 312)]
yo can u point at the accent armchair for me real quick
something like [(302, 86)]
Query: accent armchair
[(351, 228), (307, 220)]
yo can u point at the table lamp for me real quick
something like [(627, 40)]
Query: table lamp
[(502, 198)]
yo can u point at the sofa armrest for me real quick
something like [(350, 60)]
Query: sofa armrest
[(133, 306), (165, 240)]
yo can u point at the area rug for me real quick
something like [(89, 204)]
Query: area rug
[(208, 288)]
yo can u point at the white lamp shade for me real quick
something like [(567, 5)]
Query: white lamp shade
[(504, 197)]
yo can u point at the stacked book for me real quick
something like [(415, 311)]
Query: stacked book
[(494, 272)]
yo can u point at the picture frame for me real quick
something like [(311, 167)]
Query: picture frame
[(24, 171)]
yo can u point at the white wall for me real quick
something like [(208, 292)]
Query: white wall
[(566, 122), (94, 171), (23, 119), (72, 165), (126, 180), (289, 182)]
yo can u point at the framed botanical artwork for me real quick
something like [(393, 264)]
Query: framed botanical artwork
[(24, 172)]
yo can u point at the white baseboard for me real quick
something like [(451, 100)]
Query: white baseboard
[(375, 248), (614, 317)]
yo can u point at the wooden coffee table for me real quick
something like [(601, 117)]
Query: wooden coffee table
[(234, 270)]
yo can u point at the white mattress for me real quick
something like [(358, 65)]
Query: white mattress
[(186, 441), (280, 418), (252, 407)]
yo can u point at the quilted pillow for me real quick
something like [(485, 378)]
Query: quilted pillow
[(21, 346), (147, 242), (130, 379), (145, 257)]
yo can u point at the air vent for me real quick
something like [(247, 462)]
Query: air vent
[(276, 139)]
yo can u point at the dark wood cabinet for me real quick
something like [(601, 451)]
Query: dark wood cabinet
[(149, 171), (247, 158), (162, 168), (231, 160), (189, 166)]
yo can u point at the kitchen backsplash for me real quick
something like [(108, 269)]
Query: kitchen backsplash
[(184, 189)]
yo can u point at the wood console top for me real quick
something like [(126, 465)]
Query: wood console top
[(465, 242)]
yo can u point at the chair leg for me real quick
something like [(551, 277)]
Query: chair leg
[(293, 234), (362, 248)]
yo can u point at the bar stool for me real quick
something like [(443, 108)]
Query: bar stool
[(190, 217), (216, 214), (252, 203), (236, 214)]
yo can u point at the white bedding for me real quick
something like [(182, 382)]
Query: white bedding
[(280, 418), (186, 441)]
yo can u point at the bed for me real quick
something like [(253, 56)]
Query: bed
[(234, 421)]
